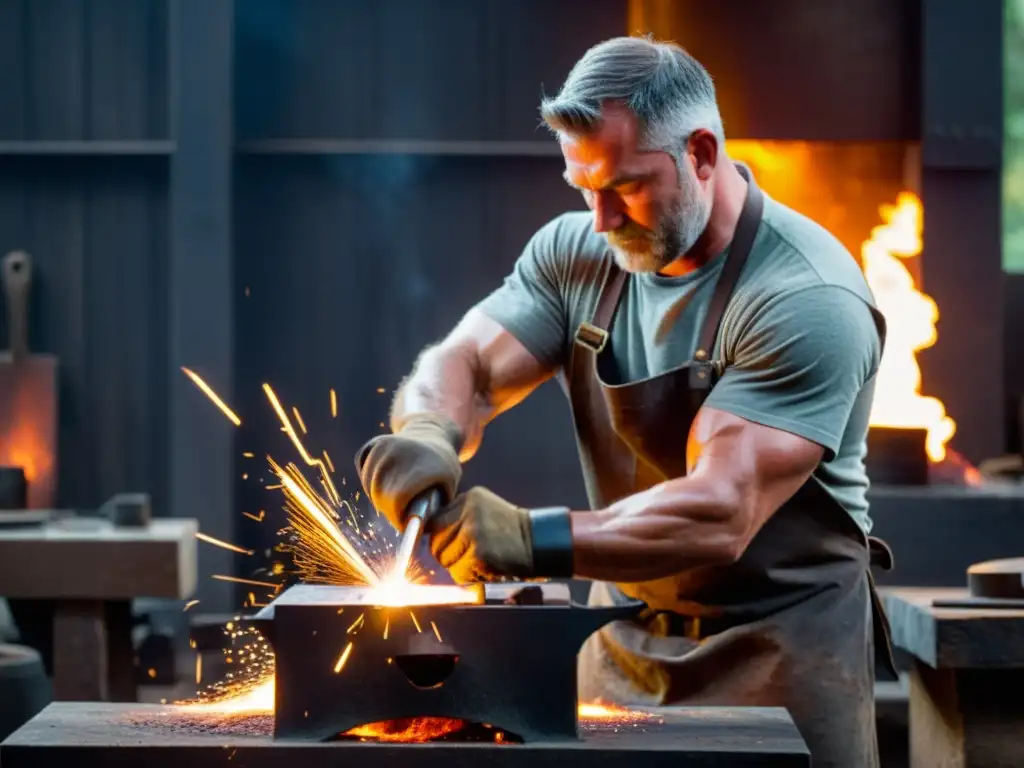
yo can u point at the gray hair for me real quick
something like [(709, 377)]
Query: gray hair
[(668, 91)]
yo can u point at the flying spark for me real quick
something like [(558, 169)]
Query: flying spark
[(223, 544), (356, 624), (286, 425), (318, 529), (236, 580), (298, 419), (343, 658), (205, 389)]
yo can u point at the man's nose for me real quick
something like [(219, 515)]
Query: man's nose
[(608, 214)]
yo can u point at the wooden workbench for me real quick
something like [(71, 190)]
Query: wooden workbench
[(91, 571), (966, 707), (152, 736)]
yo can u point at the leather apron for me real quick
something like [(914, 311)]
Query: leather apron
[(792, 624)]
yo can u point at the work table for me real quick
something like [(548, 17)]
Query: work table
[(91, 571), (968, 671)]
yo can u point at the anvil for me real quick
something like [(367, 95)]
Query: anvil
[(342, 662)]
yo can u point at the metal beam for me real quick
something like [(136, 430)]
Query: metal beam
[(961, 188), (200, 278)]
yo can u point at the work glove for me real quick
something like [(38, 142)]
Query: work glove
[(396, 468), (481, 537)]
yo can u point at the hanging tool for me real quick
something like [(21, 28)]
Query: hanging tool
[(28, 391), (419, 510)]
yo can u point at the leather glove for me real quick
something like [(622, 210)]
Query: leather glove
[(422, 454), (481, 537)]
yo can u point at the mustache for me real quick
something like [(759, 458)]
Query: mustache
[(631, 231)]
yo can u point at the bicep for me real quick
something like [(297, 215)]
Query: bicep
[(507, 370), (801, 365), (784, 403), (757, 467)]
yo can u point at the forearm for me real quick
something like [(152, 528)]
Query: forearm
[(445, 380), (680, 524)]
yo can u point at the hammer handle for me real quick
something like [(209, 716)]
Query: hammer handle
[(417, 513), (17, 279)]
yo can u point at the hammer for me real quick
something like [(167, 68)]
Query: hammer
[(419, 509)]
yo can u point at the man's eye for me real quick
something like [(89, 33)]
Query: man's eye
[(631, 188)]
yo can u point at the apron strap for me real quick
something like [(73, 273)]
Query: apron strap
[(739, 250), (594, 335)]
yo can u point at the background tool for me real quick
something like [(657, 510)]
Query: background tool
[(28, 392)]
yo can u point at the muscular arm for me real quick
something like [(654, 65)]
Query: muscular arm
[(476, 373), (740, 473), (503, 349), (781, 407)]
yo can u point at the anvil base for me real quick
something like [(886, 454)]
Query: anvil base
[(92, 735)]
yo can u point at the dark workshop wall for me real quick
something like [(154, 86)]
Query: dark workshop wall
[(83, 189), (390, 170)]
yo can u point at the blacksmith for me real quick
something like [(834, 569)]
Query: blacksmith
[(718, 351)]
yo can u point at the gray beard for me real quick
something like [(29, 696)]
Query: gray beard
[(677, 233)]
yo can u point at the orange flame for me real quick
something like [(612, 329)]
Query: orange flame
[(910, 318)]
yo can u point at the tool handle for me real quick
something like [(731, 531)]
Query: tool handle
[(424, 506), (416, 515), (17, 277)]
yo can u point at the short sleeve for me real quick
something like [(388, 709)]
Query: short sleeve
[(530, 303), (801, 362)]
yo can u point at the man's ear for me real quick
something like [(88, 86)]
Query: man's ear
[(702, 146)]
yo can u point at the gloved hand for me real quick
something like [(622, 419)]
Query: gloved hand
[(482, 537), (396, 468)]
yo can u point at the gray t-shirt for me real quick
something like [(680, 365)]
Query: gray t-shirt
[(801, 337)]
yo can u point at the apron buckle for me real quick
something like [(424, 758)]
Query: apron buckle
[(703, 375), (591, 337)]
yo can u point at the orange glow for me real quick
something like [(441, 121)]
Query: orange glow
[(910, 318), (413, 730), (257, 699), (21, 448), (820, 181), (596, 711), (393, 593)]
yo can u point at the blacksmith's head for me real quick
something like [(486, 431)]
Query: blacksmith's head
[(641, 134)]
